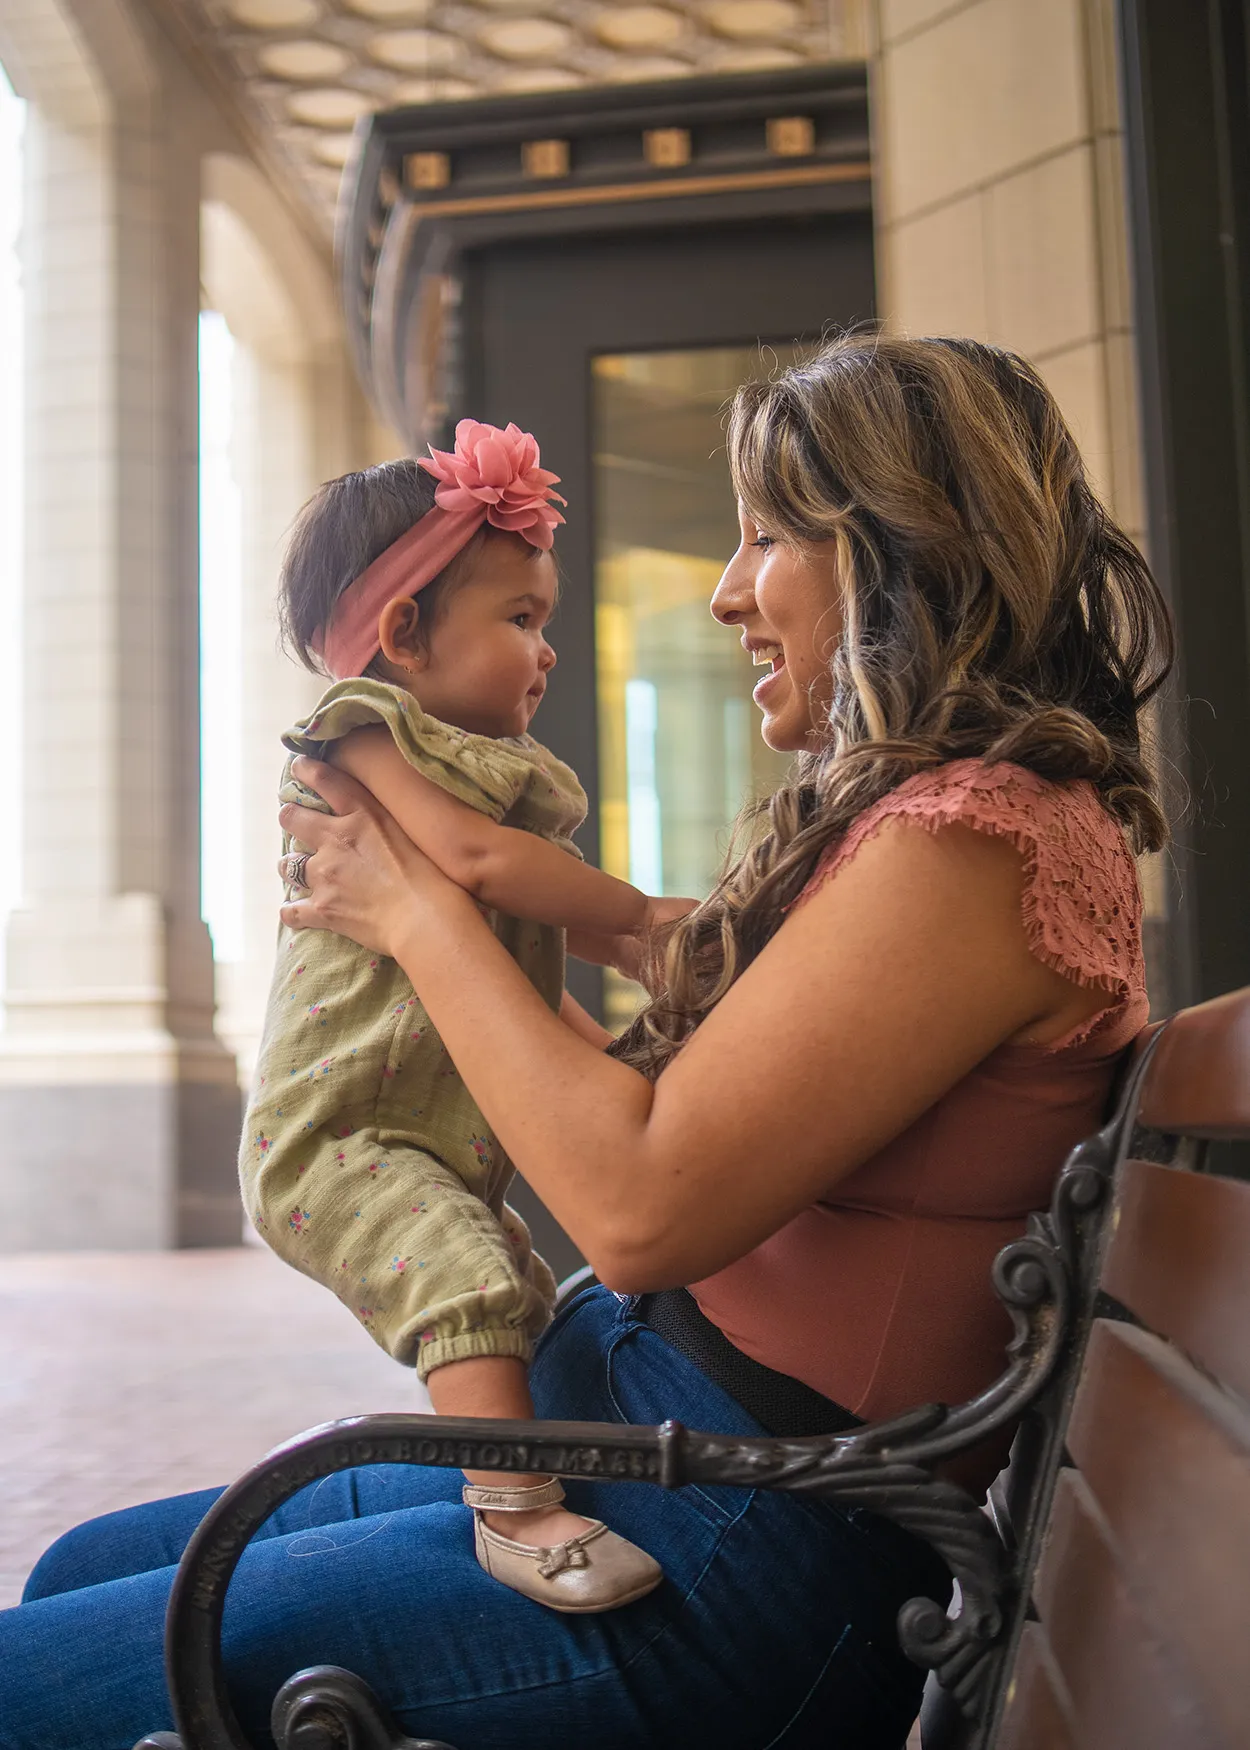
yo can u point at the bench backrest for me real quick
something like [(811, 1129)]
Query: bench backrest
[(1135, 1633)]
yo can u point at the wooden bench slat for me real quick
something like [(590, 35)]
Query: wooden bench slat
[(1037, 1714), (1128, 1688), (1166, 1456), (1198, 1081), (1177, 1258)]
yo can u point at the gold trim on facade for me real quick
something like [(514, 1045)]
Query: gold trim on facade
[(545, 158), (791, 136), (667, 148), (669, 188)]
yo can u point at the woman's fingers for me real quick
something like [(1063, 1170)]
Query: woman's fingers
[(309, 825), (293, 868), (343, 793)]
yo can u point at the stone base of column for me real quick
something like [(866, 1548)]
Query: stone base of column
[(119, 1109), (109, 1167)]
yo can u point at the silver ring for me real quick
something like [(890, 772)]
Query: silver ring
[(297, 870)]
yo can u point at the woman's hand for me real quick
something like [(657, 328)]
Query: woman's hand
[(365, 878)]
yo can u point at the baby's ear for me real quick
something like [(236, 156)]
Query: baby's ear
[(397, 632)]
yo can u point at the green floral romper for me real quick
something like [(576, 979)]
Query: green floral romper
[(365, 1162)]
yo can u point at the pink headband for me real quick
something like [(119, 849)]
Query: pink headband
[(492, 477)]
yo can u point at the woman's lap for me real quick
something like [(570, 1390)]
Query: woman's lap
[(774, 1624)]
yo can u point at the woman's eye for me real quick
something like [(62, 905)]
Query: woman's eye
[(764, 541)]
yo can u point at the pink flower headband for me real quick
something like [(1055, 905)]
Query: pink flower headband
[(493, 477)]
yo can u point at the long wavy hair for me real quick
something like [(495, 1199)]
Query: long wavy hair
[(992, 609)]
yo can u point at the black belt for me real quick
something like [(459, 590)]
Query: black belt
[(782, 1406)]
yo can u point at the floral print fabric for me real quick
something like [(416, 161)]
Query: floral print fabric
[(365, 1162)]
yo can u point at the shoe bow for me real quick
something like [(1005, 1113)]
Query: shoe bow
[(562, 1556)]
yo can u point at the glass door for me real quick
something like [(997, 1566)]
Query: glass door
[(679, 740), (620, 351)]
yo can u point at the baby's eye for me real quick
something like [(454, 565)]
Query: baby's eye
[(522, 620)]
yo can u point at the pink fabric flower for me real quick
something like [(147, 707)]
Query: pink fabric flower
[(499, 470)]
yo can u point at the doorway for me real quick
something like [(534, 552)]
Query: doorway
[(621, 354)]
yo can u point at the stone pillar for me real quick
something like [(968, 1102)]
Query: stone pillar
[(119, 1107), (1001, 214), (298, 419), (1001, 202), (274, 466)]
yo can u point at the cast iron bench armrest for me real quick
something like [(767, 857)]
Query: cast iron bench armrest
[(887, 1468)]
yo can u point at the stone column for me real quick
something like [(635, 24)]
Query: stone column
[(119, 1107), (1001, 214), (298, 419), (272, 453)]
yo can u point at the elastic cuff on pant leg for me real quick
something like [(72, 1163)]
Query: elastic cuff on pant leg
[(501, 1340)]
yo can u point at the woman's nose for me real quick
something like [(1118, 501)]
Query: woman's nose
[(734, 595)]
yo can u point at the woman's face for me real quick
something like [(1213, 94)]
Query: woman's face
[(785, 600)]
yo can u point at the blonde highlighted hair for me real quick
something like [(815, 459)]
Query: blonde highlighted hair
[(992, 609)]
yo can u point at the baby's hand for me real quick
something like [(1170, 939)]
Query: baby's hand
[(625, 952), (662, 913)]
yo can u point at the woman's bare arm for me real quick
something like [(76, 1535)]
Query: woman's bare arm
[(520, 873), (873, 999)]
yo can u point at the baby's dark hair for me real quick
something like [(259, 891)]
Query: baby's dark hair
[(344, 527)]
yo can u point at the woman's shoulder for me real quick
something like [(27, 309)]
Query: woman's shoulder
[(1046, 820), (1081, 899)]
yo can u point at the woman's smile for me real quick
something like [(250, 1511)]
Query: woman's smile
[(765, 653)]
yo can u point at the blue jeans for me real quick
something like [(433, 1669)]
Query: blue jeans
[(774, 1627)]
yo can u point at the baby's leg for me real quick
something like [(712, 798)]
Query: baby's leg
[(543, 1550), (498, 1386)]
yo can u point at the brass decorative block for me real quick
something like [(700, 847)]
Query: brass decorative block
[(666, 148), (427, 169), (791, 136), (545, 158)]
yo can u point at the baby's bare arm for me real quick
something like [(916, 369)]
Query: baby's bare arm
[(574, 1015), (517, 872)]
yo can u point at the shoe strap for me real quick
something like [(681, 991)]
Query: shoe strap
[(518, 1499)]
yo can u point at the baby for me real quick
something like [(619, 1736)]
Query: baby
[(424, 589)]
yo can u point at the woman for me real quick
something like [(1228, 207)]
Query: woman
[(868, 1052)]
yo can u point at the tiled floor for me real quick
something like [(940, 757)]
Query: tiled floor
[(126, 1377)]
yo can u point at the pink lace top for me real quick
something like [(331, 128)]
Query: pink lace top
[(879, 1295)]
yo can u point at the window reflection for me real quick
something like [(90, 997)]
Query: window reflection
[(680, 748)]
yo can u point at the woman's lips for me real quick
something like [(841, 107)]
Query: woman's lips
[(760, 691)]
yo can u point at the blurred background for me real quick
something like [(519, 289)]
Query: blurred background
[(247, 245)]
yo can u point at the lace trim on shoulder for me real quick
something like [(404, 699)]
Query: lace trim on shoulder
[(1081, 904)]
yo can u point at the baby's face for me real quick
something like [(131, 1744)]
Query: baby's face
[(487, 658)]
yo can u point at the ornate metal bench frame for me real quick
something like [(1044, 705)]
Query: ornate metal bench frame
[(1047, 1280)]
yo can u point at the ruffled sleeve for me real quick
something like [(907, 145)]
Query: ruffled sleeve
[(1082, 901), (484, 773)]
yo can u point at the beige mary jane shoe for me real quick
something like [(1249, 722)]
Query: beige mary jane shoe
[(597, 1570)]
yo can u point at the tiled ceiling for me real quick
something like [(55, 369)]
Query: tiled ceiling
[(312, 68)]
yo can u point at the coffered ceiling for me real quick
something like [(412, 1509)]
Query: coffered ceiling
[(309, 69)]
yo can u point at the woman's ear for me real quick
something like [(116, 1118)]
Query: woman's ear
[(397, 633)]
